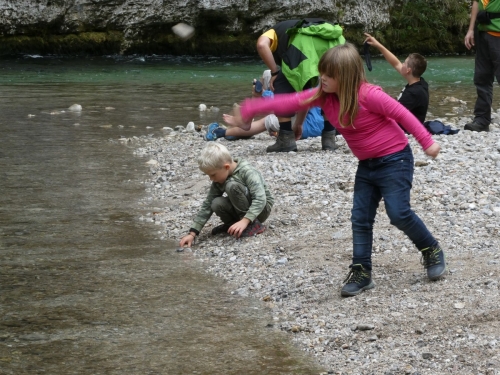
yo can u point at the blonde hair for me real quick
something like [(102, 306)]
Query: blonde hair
[(343, 63), (213, 156)]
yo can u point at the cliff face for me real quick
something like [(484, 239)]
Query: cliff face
[(128, 26)]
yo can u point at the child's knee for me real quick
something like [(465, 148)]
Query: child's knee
[(235, 188), (217, 204)]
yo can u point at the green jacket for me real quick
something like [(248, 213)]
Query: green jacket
[(306, 46), (493, 7), (246, 174)]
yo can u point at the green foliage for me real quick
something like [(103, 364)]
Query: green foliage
[(427, 26)]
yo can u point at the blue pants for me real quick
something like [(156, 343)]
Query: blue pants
[(389, 177)]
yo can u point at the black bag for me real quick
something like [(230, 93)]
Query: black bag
[(483, 18)]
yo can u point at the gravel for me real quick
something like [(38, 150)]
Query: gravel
[(406, 324)]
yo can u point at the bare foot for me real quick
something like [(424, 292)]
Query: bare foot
[(228, 119), (236, 120)]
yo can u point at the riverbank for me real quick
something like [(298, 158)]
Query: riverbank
[(406, 325)]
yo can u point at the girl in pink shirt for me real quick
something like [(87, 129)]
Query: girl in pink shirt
[(368, 120)]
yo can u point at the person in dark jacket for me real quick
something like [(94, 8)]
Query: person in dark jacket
[(415, 95)]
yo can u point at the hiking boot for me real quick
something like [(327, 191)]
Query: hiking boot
[(223, 228), (284, 143), (328, 141), (476, 127), (210, 136), (433, 261), (253, 229), (357, 280)]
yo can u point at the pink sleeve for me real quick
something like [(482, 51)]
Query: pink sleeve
[(380, 102), (280, 103)]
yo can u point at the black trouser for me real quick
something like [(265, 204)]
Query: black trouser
[(487, 67), (282, 86)]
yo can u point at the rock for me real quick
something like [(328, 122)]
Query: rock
[(190, 127), (297, 266), (365, 327), (75, 108)]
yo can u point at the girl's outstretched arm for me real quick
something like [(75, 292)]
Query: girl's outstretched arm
[(279, 104)]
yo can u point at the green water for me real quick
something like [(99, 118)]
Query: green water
[(180, 84)]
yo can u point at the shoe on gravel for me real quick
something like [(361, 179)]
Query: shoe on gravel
[(358, 280)]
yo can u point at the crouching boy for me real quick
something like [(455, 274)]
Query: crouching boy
[(247, 203)]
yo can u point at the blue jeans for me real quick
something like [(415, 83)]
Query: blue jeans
[(389, 177)]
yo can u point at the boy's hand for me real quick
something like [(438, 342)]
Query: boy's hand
[(237, 228), (433, 150), (187, 240), (371, 41)]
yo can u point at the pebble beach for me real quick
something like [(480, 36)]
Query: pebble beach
[(296, 268)]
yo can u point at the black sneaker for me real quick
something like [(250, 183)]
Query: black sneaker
[(475, 127), (223, 228), (357, 280), (433, 261)]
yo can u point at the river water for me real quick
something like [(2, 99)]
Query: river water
[(85, 286)]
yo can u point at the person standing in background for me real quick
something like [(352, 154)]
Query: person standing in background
[(484, 35)]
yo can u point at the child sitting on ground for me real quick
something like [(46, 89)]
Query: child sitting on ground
[(312, 127), (248, 202)]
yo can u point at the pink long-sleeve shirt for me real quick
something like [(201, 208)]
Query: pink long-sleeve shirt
[(375, 133)]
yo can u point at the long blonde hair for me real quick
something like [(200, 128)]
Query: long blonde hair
[(343, 63)]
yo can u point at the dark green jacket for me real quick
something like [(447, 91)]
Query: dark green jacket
[(246, 174)]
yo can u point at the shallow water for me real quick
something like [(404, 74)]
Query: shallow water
[(85, 286)]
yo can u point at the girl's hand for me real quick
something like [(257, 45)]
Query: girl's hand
[(433, 150)]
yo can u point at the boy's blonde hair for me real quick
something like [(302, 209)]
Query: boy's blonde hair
[(213, 156), (344, 64)]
